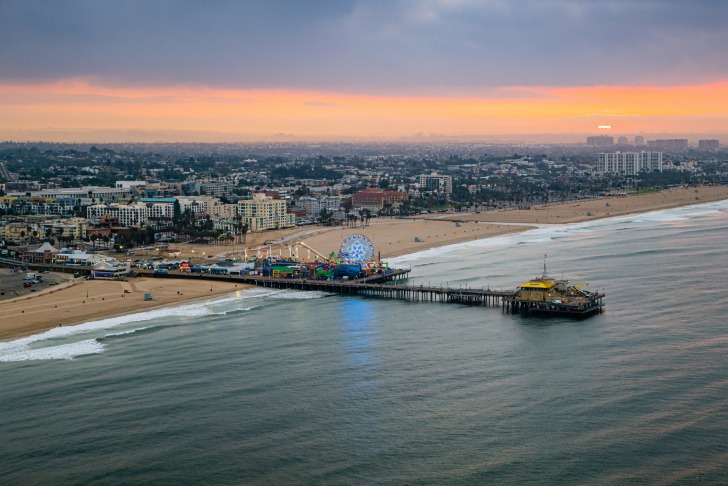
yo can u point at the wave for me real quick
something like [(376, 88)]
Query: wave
[(301, 294), (126, 333), (25, 348), (62, 351), (546, 234)]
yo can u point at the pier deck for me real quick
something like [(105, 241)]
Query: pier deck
[(382, 286), (389, 285)]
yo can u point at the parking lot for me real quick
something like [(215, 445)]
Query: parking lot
[(18, 284)]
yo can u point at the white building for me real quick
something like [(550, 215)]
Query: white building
[(312, 205), (130, 184), (436, 183), (217, 189), (224, 211), (135, 214), (199, 205), (90, 193), (262, 213), (629, 163)]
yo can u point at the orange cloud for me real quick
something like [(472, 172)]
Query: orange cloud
[(81, 104)]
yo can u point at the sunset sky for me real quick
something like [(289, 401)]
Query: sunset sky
[(337, 69)]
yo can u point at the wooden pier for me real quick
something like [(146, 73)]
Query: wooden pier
[(386, 286), (390, 285)]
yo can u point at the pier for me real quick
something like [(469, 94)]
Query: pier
[(380, 285), (387, 285)]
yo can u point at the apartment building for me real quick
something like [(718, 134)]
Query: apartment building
[(262, 213), (629, 163)]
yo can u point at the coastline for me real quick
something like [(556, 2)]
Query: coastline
[(85, 301), (437, 230), (91, 300)]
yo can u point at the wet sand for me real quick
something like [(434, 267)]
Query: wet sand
[(90, 300)]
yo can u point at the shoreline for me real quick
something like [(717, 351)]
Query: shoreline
[(85, 301), (92, 300)]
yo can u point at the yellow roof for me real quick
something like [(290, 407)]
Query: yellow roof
[(538, 284)]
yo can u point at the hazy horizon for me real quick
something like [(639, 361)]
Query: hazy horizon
[(194, 136), (374, 70)]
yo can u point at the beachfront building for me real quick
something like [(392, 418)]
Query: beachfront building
[(375, 199), (135, 214), (45, 254), (436, 183), (263, 213), (110, 269), (76, 257), (629, 163)]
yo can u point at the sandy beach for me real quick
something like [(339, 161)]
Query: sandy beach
[(396, 237), (84, 300), (89, 300)]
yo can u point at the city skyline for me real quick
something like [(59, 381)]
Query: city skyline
[(353, 69)]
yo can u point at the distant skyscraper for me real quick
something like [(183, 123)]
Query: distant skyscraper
[(622, 141), (639, 140), (708, 144), (600, 141), (4, 174), (674, 144)]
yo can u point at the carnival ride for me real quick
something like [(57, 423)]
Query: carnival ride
[(354, 260)]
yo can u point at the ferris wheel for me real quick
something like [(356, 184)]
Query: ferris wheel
[(356, 249)]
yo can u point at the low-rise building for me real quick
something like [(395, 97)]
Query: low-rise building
[(375, 199)]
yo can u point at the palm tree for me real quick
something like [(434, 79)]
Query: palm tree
[(241, 227), (367, 215)]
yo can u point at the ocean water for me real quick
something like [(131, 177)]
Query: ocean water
[(284, 387)]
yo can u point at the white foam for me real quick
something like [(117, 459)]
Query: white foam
[(302, 294), (545, 233), (18, 349), (130, 331), (62, 351)]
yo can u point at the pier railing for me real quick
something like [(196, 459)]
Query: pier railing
[(377, 285), (385, 285)]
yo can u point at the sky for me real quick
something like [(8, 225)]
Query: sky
[(340, 69)]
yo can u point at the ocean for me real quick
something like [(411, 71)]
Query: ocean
[(286, 387)]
